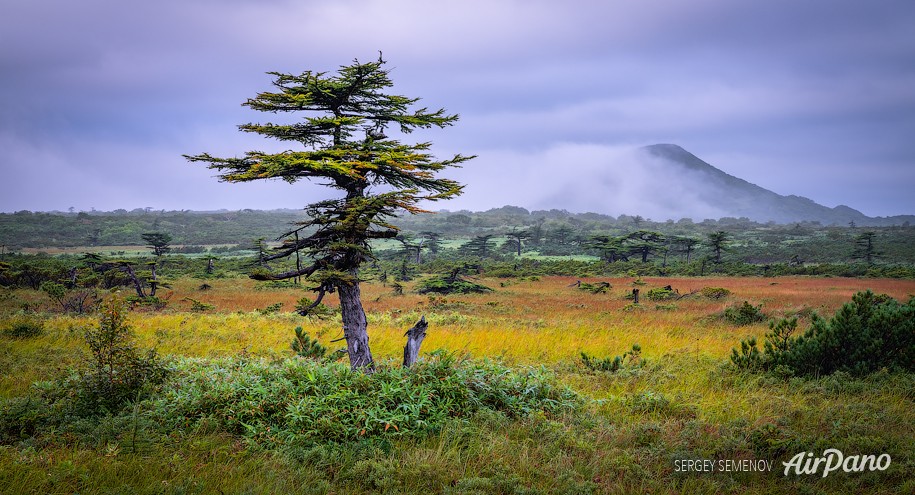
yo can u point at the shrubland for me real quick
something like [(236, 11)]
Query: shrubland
[(501, 400)]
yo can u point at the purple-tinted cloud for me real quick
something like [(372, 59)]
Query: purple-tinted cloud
[(100, 98)]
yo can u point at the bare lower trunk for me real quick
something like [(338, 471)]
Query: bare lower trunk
[(355, 327)]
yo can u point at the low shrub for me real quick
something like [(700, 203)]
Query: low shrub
[(271, 309), (297, 401), (870, 333), (22, 326), (715, 292), (631, 358), (744, 314), (117, 372), (595, 288), (450, 285), (661, 294), (199, 306)]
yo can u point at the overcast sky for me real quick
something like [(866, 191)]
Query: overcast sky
[(100, 98)]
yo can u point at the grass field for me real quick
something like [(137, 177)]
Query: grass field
[(628, 436)]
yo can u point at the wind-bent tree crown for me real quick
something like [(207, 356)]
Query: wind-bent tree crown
[(343, 143)]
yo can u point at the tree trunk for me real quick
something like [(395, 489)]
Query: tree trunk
[(415, 338), (355, 327)]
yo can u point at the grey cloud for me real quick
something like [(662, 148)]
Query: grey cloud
[(791, 88)]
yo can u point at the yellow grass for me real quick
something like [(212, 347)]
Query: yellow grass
[(528, 322)]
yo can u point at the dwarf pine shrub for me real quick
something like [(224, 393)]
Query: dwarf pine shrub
[(22, 326), (116, 372), (304, 346), (744, 314), (630, 358), (870, 333)]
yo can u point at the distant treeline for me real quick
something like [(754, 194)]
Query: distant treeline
[(25, 229), (539, 233)]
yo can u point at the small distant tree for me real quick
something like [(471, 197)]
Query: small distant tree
[(432, 241), (480, 246), (159, 242), (343, 144), (644, 243), (611, 248), (864, 247), (260, 252), (718, 242), (412, 247), (687, 245), (516, 239), (562, 234)]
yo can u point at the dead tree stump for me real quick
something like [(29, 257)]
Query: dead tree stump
[(415, 338), (635, 296)]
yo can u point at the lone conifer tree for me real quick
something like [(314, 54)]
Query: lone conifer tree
[(334, 151)]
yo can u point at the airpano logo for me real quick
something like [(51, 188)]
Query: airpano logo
[(832, 460)]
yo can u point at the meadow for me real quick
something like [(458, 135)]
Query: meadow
[(677, 399)]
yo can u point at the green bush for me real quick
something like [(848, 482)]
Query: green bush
[(304, 346), (117, 372), (21, 417), (744, 314), (23, 326), (595, 288), (305, 401), (449, 285), (272, 309), (715, 292), (661, 294), (199, 306), (870, 333), (631, 358)]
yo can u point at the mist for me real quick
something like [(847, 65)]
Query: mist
[(581, 178)]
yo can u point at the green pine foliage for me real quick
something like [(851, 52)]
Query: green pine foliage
[(715, 292), (116, 373), (595, 288), (744, 314), (22, 326), (870, 333), (450, 285), (630, 359), (304, 346)]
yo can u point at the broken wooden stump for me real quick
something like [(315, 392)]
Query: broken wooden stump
[(415, 338)]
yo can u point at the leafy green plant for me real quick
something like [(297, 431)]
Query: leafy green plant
[(117, 371), (22, 326), (304, 346), (309, 402), (869, 333), (630, 358), (306, 307), (273, 308), (744, 314), (715, 292)]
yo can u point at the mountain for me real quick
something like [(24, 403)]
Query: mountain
[(735, 197)]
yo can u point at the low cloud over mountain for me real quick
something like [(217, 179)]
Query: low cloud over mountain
[(661, 181)]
